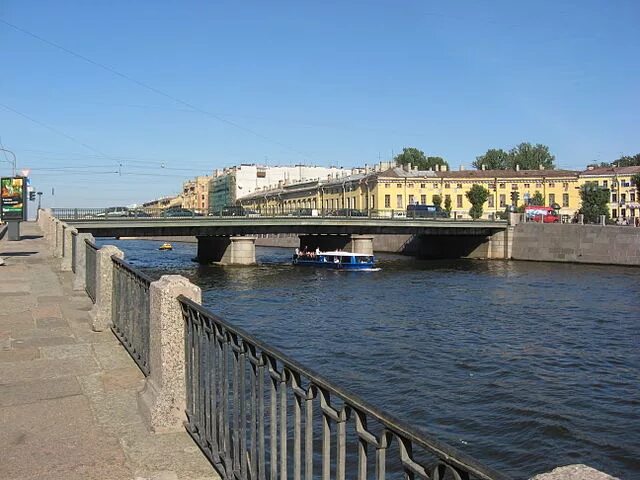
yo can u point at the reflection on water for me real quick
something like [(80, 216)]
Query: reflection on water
[(524, 365)]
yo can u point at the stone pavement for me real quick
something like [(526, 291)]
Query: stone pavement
[(68, 395)]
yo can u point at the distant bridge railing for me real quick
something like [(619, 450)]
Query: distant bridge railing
[(90, 269), (71, 214), (130, 311), (258, 414)]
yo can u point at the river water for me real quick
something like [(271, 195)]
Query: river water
[(523, 365)]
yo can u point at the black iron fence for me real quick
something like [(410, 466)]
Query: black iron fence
[(74, 249), (91, 254), (258, 414), (130, 311), (80, 214)]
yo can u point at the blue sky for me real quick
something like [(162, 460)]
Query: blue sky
[(326, 83)]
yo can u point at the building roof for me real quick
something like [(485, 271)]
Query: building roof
[(399, 172), (611, 171), (507, 174)]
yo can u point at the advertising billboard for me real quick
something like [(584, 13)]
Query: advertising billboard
[(13, 198)]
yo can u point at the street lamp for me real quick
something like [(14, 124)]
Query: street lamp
[(14, 159)]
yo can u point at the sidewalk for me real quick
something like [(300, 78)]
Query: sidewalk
[(68, 395)]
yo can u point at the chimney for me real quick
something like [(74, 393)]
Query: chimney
[(280, 183), (590, 167), (484, 167), (517, 168), (408, 167), (462, 168), (443, 168), (541, 167)]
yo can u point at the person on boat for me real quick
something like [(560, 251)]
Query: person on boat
[(297, 252), (317, 251)]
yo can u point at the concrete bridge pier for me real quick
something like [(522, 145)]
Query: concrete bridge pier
[(226, 250), (349, 243)]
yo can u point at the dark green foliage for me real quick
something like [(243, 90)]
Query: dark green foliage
[(417, 158), (623, 161), (447, 205), (537, 199), (595, 202), (477, 195), (437, 200), (636, 179), (525, 156)]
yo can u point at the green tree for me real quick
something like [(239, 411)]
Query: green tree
[(437, 200), (417, 158), (627, 161), (477, 195), (636, 179), (531, 157), (447, 204), (537, 199), (595, 202), (494, 159)]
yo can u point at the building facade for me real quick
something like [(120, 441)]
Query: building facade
[(389, 192), (195, 194), (624, 201), (231, 184)]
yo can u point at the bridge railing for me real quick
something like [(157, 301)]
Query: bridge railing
[(130, 311), (97, 214), (90, 269), (257, 414)]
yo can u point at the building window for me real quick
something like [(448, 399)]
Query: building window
[(565, 185), (502, 185), (447, 198), (632, 197), (386, 185), (614, 212), (399, 185), (423, 199), (526, 185), (373, 201), (435, 185), (538, 185), (514, 186), (459, 201), (387, 201), (614, 197), (503, 200), (410, 185), (565, 199), (623, 198), (423, 185), (490, 201), (552, 185), (605, 183), (447, 185), (458, 185), (399, 201), (552, 198), (411, 199)]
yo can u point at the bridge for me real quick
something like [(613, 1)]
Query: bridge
[(231, 239)]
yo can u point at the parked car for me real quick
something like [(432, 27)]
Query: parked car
[(138, 214), (114, 212), (347, 212), (178, 212), (425, 211), (303, 212), (233, 211)]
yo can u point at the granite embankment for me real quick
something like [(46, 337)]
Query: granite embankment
[(68, 395)]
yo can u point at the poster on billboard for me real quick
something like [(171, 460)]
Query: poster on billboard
[(12, 198)]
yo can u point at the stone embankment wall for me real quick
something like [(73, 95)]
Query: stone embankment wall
[(555, 242)]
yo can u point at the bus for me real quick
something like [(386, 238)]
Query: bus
[(535, 213)]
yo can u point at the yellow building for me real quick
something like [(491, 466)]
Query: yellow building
[(624, 201), (388, 193), (195, 194)]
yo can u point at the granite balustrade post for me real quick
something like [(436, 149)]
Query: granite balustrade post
[(100, 314), (67, 251), (79, 277), (162, 402)]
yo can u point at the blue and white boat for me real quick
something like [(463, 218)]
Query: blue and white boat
[(337, 260)]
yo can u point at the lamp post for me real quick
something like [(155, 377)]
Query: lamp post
[(14, 159)]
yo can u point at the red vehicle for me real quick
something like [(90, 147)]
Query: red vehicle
[(539, 214)]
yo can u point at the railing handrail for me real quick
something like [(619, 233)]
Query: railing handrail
[(125, 266), (90, 244), (428, 442)]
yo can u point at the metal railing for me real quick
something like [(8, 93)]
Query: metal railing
[(130, 311), (258, 414), (74, 248), (97, 214), (90, 270)]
